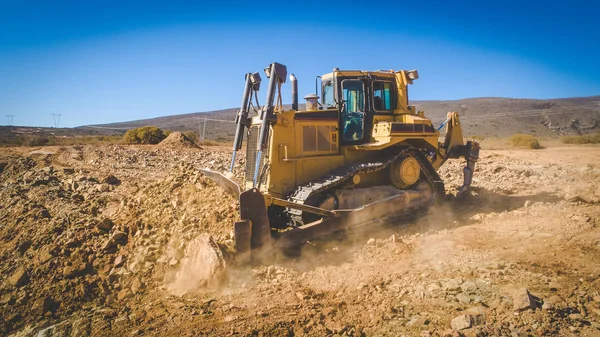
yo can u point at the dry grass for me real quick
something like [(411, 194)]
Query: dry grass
[(583, 139), (41, 140), (38, 140), (478, 138), (525, 141), (209, 142)]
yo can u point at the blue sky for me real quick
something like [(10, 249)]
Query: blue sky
[(101, 62)]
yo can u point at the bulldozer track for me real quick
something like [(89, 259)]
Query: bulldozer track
[(344, 174)]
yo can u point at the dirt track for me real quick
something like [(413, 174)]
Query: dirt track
[(92, 239)]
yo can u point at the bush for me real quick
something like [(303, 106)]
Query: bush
[(130, 137), (583, 139), (37, 141), (150, 135), (525, 141), (144, 135)]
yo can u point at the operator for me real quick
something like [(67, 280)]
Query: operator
[(353, 129)]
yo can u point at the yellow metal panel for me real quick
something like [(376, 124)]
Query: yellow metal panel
[(415, 119), (384, 118), (301, 150), (282, 155)]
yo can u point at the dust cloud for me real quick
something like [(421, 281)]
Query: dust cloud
[(202, 266)]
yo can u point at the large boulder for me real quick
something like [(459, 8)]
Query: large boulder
[(203, 265)]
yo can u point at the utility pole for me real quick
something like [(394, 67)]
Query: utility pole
[(9, 119), (204, 128), (199, 132), (56, 120)]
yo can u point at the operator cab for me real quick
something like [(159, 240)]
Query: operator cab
[(359, 96)]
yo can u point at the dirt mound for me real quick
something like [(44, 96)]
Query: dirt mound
[(96, 226), (177, 140)]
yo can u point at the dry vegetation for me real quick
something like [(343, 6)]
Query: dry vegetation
[(524, 141), (143, 135), (582, 139), (40, 140), (210, 142)]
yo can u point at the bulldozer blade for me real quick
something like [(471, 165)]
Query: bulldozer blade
[(254, 209), (225, 182), (393, 205), (243, 233)]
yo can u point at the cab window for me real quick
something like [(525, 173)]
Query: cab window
[(353, 95), (382, 96), (328, 100)]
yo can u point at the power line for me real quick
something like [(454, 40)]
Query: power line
[(203, 132), (56, 118)]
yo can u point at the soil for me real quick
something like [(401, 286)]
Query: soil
[(177, 140), (100, 240)]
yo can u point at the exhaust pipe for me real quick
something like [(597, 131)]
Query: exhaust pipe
[(294, 92)]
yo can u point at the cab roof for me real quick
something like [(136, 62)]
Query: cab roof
[(382, 73)]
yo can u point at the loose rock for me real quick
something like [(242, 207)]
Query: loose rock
[(105, 225), (136, 285), (111, 180), (19, 278), (522, 300), (461, 322)]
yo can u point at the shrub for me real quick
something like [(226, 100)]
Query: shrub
[(37, 141), (150, 135), (583, 139), (478, 138), (130, 137), (525, 141), (144, 135)]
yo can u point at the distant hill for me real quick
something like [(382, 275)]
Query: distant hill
[(492, 116), (218, 130), (488, 116)]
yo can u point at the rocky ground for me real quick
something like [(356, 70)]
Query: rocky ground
[(101, 241)]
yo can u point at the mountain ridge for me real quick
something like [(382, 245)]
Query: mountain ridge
[(485, 116)]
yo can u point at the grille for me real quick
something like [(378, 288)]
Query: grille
[(253, 134), (317, 138)]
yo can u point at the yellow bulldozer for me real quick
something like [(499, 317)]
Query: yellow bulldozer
[(358, 153)]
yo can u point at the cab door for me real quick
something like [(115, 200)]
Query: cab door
[(353, 112)]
